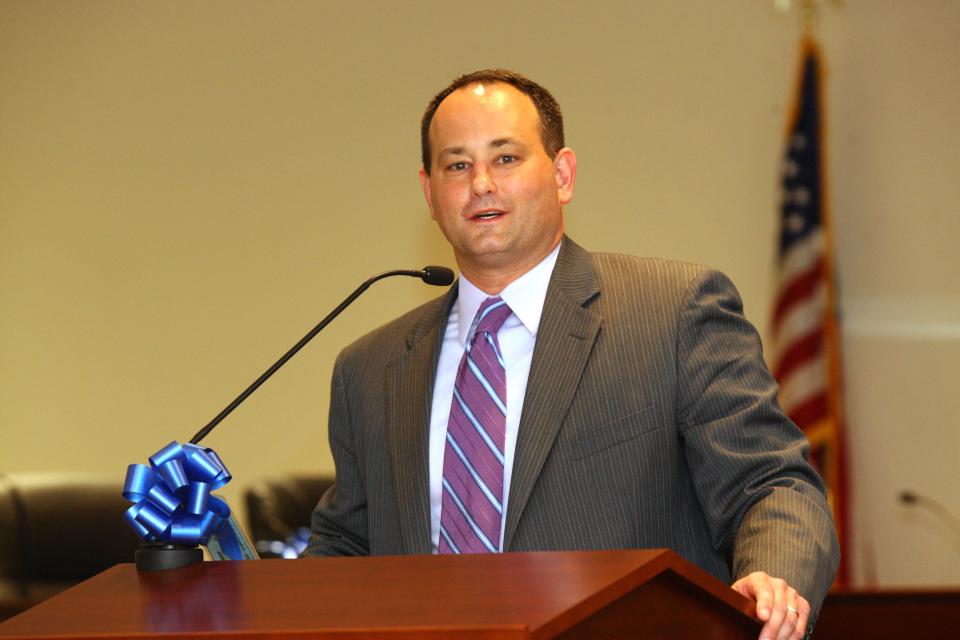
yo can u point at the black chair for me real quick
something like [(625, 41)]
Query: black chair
[(277, 507), (58, 529)]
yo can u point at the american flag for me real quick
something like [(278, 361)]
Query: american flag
[(805, 353)]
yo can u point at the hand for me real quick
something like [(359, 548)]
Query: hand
[(784, 611)]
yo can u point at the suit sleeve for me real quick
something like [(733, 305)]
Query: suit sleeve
[(339, 522), (764, 503)]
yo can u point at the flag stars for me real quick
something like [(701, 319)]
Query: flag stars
[(801, 196), (791, 169), (795, 222)]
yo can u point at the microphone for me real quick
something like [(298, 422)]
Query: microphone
[(933, 506), (437, 276), (432, 275)]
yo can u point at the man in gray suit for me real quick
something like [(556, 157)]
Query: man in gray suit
[(622, 402)]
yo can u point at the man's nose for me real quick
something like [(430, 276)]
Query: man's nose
[(482, 180)]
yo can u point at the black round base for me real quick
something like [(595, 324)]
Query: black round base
[(160, 557)]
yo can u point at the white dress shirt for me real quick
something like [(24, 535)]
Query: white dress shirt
[(517, 336)]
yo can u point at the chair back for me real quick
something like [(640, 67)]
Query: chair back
[(276, 507), (58, 529)]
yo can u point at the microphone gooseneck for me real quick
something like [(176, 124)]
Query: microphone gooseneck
[(932, 505), (432, 275)]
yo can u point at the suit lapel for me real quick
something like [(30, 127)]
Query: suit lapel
[(565, 339), (408, 398)]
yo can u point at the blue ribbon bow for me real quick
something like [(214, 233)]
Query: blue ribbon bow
[(172, 501)]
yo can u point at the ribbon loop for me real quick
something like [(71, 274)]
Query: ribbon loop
[(172, 501), (196, 500)]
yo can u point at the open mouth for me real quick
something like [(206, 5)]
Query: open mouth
[(487, 215)]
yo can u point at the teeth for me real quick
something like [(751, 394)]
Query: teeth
[(487, 216)]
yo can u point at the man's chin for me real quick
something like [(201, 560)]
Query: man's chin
[(495, 262), (486, 248)]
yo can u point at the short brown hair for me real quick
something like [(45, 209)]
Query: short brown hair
[(551, 120)]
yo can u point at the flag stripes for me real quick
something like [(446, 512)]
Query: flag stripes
[(805, 347)]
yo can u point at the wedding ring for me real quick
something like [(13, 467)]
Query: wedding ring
[(792, 609)]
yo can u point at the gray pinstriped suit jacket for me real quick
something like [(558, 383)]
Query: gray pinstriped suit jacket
[(650, 420)]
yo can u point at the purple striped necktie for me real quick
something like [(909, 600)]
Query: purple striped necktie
[(472, 496)]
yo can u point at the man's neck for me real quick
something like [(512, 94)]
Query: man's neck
[(495, 278)]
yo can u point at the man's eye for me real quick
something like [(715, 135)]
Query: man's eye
[(507, 158), (457, 166)]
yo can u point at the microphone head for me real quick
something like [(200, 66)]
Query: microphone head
[(437, 276), (909, 497)]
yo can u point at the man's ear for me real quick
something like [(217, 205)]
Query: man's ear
[(565, 166), (425, 184)]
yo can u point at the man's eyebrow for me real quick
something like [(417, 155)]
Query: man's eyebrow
[(494, 144), (501, 142), (451, 150)]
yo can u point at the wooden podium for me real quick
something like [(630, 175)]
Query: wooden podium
[(588, 594)]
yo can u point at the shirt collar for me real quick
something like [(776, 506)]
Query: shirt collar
[(525, 296)]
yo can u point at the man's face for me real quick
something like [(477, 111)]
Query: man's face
[(493, 189)]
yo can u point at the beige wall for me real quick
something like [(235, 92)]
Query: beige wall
[(187, 187)]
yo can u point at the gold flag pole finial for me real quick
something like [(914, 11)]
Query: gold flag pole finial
[(809, 11), (809, 15)]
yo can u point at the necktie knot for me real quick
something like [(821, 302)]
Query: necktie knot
[(492, 314)]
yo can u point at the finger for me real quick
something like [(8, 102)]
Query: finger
[(753, 587), (778, 610), (803, 616), (765, 598), (791, 617)]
